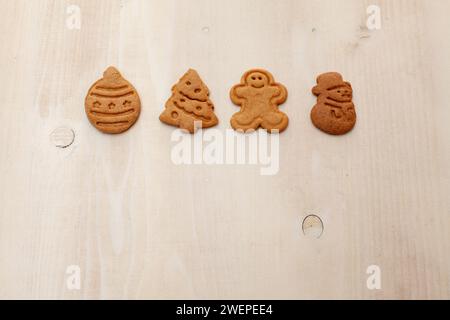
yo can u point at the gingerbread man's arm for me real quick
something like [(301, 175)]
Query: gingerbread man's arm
[(281, 94), (238, 93)]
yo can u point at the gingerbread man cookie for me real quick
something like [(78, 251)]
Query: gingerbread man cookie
[(259, 96), (334, 112), (112, 103), (190, 105)]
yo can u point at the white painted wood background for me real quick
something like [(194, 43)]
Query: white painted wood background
[(140, 227)]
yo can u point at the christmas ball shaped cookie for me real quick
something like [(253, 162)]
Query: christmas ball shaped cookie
[(112, 103)]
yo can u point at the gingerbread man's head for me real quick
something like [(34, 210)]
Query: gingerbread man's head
[(258, 79), (333, 86)]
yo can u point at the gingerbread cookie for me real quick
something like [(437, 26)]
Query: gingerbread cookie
[(334, 112), (259, 96), (112, 103), (189, 107)]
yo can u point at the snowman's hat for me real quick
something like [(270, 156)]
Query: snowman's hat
[(328, 81)]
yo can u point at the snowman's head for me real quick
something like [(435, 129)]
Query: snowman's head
[(341, 93), (333, 86)]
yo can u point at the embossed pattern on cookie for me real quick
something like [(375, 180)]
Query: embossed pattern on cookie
[(112, 104), (334, 112), (189, 104), (259, 96)]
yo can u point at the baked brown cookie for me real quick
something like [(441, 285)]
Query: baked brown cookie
[(189, 107), (112, 103), (259, 96), (334, 112)]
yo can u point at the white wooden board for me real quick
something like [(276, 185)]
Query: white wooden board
[(138, 226)]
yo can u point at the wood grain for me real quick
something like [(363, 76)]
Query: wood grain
[(140, 227)]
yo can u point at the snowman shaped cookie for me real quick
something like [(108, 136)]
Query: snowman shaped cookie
[(259, 96), (334, 112)]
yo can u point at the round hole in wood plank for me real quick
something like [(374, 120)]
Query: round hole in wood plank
[(312, 226), (205, 29), (62, 137)]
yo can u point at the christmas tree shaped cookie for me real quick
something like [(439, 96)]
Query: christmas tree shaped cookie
[(189, 107)]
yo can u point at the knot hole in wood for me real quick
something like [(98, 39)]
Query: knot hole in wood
[(312, 226)]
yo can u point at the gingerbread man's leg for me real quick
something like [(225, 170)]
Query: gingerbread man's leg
[(274, 120), (244, 121)]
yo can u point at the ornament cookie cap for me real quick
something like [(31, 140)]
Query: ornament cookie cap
[(111, 73), (112, 104)]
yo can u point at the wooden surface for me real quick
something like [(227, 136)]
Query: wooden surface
[(139, 226)]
